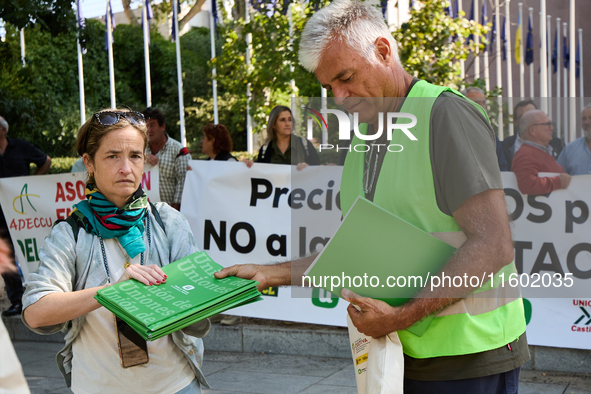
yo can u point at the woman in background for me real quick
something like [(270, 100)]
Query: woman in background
[(217, 142), (284, 147)]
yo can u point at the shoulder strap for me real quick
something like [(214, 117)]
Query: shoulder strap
[(157, 216), (74, 222)]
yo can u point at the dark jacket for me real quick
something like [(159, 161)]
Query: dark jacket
[(298, 145)]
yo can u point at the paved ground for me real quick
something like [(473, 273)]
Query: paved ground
[(233, 373)]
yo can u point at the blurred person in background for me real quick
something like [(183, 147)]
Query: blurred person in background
[(16, 157), (170, 156), (576, 156), (12, 379), (282, 146), (533, 157), (512, 143), (217, 142)]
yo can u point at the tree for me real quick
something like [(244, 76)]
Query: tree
[(55, 16), (431, 44)]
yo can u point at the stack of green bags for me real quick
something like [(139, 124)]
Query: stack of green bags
[(190, 294)]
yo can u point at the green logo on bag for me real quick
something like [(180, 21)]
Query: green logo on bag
[(359, 371)]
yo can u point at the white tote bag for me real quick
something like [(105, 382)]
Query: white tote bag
[(379, 363)]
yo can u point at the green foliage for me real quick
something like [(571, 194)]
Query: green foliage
[(54, 16), (40, 101), (431, 43), (60, 165)]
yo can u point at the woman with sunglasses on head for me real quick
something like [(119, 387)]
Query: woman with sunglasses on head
[(283, 147), (217, 142), (112, 236)]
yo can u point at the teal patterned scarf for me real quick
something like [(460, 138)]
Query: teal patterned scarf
[(102, 218)]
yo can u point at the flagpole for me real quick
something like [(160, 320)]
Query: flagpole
[(499, 66), (565, 90), (175, 9), (477, 42), (110, 49), (571, 69), (509, 65), (531, 66), (80, 76), (549, 63), (23, 46), (522, 60), (581, 89), (558, 76), (249, 137), (543, 58), (147, 55), (214, 83)]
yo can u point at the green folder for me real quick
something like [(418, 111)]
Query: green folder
[(373, 242), (191, 293)]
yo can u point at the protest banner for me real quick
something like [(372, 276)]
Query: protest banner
[(241, 215), (267, 213), (31, 205)]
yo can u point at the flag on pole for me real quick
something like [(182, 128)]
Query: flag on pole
[(555, 53), (484, 19), (578, 60), (173, 35), (214, 12), (471, 36), (449, 9), (518, 41), (149, 15), (504, 40), (107, 32), (493, 35), (565, 52), (529, 45), (81, 24)]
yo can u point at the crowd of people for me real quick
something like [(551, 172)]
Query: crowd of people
[(451, 185)]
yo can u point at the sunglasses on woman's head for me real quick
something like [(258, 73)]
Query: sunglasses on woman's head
[(110, 118)]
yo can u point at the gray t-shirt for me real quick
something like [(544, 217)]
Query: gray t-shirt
[(464, 164)]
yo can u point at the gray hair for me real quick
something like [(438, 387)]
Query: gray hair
[(586, 107), (352, 22), (3, 124), (527, 120), (472, 89)]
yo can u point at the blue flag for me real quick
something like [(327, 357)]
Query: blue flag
[(449, 9), (529, 45), (484, 18), (555, 52), (471, 36), (578, 60), (384, 5), (215, 16), (565, 53), (504, 40), (493, 35), (173, 35), (107, 32)]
